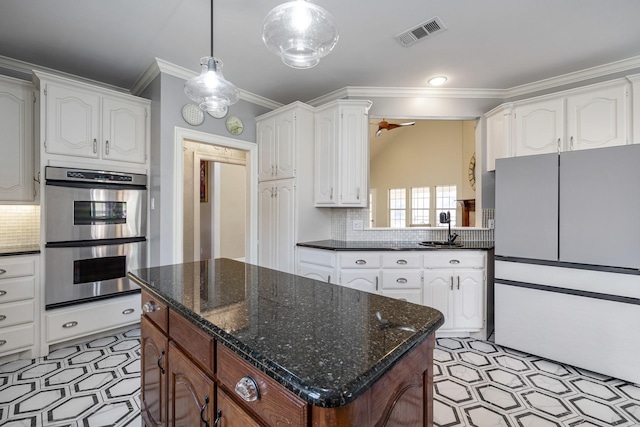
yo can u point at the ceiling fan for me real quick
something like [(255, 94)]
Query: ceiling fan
[(390, 126)]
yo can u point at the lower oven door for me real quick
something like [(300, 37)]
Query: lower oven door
[(86, 272)]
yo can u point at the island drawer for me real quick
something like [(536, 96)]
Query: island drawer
[(197, 343), (154, 310), (360, 260), (275, 404)]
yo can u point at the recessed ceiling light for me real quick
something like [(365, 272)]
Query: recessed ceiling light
[(437, 80)]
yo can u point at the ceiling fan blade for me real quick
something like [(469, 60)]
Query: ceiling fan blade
[(379, 132), (407, 124)]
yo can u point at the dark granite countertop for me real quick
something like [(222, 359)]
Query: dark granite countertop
[(343, 245), (20, 250), (323, 342)]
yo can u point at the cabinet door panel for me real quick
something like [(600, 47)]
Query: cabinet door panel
[(354, 148), (285, 138), (266, 147), (325, 171), (539, 127), (232, 415), (154, 346), (468, 299), (266, 233), (598, 118), (361, 280), (16, 142), (123, 131), (72, 122), (527, 207), (191, 392), (438, 286), (285, 218)]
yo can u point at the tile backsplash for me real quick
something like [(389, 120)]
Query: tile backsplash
[(341, 229), (19, 225)]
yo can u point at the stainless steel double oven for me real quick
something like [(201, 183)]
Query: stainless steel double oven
[(95, 231)]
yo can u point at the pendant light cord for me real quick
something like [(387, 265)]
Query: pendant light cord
[(212, 28)]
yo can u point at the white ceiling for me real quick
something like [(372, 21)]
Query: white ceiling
[(489, 44)]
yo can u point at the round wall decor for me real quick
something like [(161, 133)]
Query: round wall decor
[(234, 125), (192, 114)]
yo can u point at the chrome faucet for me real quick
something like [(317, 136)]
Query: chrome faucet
[(445, 218)]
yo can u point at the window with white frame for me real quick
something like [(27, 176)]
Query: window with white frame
[(420, 204), (397, 207), (446, 196)]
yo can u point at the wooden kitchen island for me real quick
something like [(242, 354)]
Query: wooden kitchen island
[(226, 343)]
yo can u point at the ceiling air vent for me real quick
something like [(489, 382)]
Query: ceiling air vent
[(428, 28)]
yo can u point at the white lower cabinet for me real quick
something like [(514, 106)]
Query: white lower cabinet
[(453, 282), (19, 296), (276, 204)]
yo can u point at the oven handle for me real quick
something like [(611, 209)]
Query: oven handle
[(97, 242), (92, 185)]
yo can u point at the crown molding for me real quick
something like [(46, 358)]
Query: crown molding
[(28, 69), (575, 77), (158, 66), (331, 96)]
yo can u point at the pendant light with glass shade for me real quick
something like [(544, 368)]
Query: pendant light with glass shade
[(300, 33), (210, 90)]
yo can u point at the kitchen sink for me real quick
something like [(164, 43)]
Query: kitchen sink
[(437, 243)]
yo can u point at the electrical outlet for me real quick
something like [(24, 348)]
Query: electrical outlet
[(491, 224), (357, 224)]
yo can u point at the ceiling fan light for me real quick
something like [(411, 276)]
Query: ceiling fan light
[(437, 80), (300, 33), (210, 90)]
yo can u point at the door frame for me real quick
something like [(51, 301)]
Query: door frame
[(251, 223)]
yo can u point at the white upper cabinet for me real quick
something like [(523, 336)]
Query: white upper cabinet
[(79, 120), (277, 145), (342, 154), (16, 140), (635, 82), (598, 118), (539, 127), (589, 117)]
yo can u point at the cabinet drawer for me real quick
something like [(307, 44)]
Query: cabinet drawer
[(275, 404), (17, 337), (360, 260), (401, 260), (317, 256), (401, 279), (454, 259), (16, 313), (155, 311), (16, 267), (66, 323), (17, 289), (195, 342)]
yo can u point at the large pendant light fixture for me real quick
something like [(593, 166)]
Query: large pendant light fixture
[(210, 90), (300, 33)]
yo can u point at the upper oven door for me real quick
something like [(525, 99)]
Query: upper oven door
[(80, 211)]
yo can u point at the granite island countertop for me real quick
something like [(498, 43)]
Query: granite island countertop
[(326, 343), (344, 245)]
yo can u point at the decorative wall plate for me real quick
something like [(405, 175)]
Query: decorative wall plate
[(192, 114), (234, 125)]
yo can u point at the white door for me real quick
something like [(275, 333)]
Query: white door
[(325, 172), (438, 289), (266, 218), (72, 122), (266, 148), (285, 127), (361, 280), (598, 118), (468, 296), (354, 157), (284, 226), (539, 127), (16, 142), (123, 130)]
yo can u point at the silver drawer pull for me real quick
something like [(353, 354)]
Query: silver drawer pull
[(247, 389), (361, 262), (150, 307), (2, 271), (454, 261), (128, 311), (3, 293), (3, 342), (70, 324), (401, 280), (401, 261), (2, 317)]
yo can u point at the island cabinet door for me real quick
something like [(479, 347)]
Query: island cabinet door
[(191, 392), (229, 414), (154, 346)]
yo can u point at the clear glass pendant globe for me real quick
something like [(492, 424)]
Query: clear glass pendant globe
[(210, 90), (300, 33)]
